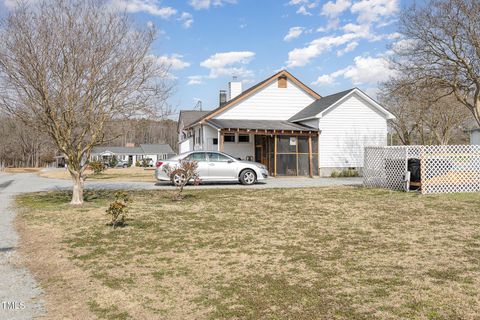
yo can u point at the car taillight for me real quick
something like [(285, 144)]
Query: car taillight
[(159, 164)]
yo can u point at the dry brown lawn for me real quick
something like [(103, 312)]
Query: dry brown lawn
[(319, 253), (112, 174)]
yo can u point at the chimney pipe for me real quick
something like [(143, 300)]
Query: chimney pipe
[(223, 97), (234, 88)]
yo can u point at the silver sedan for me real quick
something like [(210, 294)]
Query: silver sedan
[(215, 166)]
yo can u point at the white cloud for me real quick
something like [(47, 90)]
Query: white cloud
[(328, 79), (349, 47), (186, 19), (304, 11), (229, 64), (206, 4), (194, 80), (293, 33), (300, 57), (374, 10), (173, 62), (149, 6), (335, 8), (365, 70)]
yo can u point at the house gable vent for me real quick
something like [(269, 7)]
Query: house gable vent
[(282, 81)]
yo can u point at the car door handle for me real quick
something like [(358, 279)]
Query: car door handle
[(211, 164)]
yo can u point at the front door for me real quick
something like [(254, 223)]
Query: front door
[(261, 150), (221, 167)]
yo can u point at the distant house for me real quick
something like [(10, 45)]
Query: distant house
[(475, 136), (285, 125), (130, 154)]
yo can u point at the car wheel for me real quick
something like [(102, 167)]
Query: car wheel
[(125, 165), (248, 177), (178, 178)]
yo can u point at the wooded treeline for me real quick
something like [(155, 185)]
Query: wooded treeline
[(23, 146)]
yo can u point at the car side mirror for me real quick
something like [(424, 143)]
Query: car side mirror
[(229, 161)]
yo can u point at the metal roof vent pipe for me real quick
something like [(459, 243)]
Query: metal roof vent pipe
[(223, 97)]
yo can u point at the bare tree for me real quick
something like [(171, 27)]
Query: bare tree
[(443, 49), (421, 118), (70, 67)]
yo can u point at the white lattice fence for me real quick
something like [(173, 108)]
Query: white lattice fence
[(448, 169), (385, 167), (444, 169)]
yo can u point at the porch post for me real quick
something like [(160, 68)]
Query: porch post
[(310, 155), (275, 156), (220, 142)]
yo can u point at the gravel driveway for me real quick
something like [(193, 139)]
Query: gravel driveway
[(20, 296)]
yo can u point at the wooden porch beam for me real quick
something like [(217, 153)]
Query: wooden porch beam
[(310, 156), (275, 156), (220, 143)]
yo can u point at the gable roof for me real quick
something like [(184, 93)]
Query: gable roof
[(250, 91), (117, 150), (319, 106), (190, 116), (156, 148), (323, 104), (142, 149)]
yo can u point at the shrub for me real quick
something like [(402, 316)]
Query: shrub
[(97, 167), (187, 171), (118, 209), (137, 163), (113, 162), (145, 162), (345, 173)]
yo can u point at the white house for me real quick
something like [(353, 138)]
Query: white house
[(287, 126), (131, 154)]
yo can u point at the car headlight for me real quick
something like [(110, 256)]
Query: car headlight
[(261, 166)]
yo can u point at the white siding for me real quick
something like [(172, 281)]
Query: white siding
[(270, 103), (209, 134), (186, 145), (240, 150), (475, 137), (347, 129)]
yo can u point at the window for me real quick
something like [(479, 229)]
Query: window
[(229, 137), (217, 157), (244, 138), (197, 156), (215, 141)]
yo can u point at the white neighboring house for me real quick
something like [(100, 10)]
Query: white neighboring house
[(284, 124), (475, 136), (129, 154)]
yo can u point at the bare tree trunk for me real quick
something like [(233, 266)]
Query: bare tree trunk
[(78, 185)]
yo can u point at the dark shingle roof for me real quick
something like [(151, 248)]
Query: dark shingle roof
[(259, 124), (118, 150), (319, 105), (190, 116), (156, 148)]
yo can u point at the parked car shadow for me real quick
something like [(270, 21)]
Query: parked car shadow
[(207, 183)]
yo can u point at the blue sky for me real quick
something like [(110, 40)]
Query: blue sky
[(329, 45)]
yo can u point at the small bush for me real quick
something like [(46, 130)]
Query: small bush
[(137, 163), (97, 166), (187, 171), (345, 173), (113, 162), (118, 209)]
